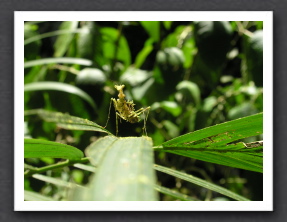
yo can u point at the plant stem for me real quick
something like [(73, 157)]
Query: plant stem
[(30, 172)]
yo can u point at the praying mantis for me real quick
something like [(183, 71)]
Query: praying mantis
[(125, 109)]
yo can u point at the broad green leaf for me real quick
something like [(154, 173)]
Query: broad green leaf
[(46, 85), (142, 55), (200, 182), (152, 28), (213, 40), (191, 90), (115, 46), (171, 107), (66, 60), (33, 196), (87, 40), (63, 41), (91, 76), (189, 50), (214, 144), (173, 193), (175, 39), (167, 24), (66, 121), (172, 129), (124, 169), (34, 148), (134, 76)]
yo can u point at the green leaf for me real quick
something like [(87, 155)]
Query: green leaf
[(66, 121), (188, 49), (34, 148), (86, 40), (52, 180), (213, 40), (142, 55), (31, 51), (39, 86), (66, 60), (51, 34), (173, 193), (124, 169), (167, 24), (253, 57), (200, 182), (33, 196), (214, 144), (171, 107), (134, 76), (191, 90), (172, 129), (91, 76), (110, 39), (63, 41), (241, 110), (152, 28), (85, 167)]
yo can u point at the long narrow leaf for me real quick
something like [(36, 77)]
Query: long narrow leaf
[(214, 144), (63, 41), (173, 193), (55, 181), (200, 182), (66, 121), (51, 34), (33, 196), (34, 148), (40, 86), (65, 60)]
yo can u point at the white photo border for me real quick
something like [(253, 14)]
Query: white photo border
[(21, 16)]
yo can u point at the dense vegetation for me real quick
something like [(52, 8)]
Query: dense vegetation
[(193, 75)]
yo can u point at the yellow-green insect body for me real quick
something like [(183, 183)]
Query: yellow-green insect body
[(125, 109)]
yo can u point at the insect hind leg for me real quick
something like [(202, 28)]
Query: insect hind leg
[(109, 113), (145, 118)]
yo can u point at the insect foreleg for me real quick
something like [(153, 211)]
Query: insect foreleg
[(142, 110)]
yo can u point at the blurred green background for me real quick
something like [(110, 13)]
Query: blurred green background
[(192, 74)]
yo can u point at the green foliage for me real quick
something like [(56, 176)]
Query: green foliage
[(133, 179), (202, 80), (39, 148), (214, 144)]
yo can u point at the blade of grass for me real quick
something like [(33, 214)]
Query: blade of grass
[(200, 182), (58, 86), (173, 193), (33, 196), (65, 60), (66, 121), (51, 34)]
